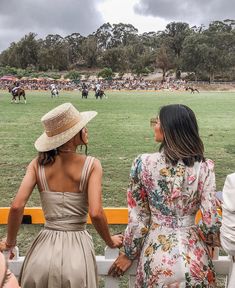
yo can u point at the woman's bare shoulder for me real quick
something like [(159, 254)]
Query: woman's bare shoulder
[(33, 164), (97, 164), (96, 168)]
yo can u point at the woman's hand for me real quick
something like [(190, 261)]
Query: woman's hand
[(4, 247), (116, 241), (119, 267)]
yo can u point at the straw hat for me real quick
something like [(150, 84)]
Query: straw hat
[(61, 124)]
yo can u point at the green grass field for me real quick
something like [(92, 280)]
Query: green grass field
[(117, 135)]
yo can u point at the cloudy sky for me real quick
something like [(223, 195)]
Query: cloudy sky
[(43, 17)]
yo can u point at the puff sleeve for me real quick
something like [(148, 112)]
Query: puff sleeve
[(138, 211)]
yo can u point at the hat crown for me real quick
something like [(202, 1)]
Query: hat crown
[(60, 119)]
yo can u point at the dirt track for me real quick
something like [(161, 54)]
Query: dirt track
[(216, 87)]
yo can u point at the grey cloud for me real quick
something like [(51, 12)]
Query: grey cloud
[(43, 17), (194, 12)]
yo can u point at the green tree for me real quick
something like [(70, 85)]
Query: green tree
[(103, 36), (27, 49), (192, 54), (90, 51), (164, 60), (73, 75), (123, 34), (115, 58), (74, 44), (106, 73), (53, 54), (22, 54), (173, 37), (150, 39), (220, 47), (10, 57)]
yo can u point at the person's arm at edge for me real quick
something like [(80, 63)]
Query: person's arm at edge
[(209, 228)]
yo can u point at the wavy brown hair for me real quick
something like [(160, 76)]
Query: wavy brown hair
[(48, 157), (181, 136)]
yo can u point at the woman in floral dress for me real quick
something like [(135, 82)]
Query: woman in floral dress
[(166, 190)]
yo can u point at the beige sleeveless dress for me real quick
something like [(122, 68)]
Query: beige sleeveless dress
[(62, 255)]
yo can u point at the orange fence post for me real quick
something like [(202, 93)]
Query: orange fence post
[(114, 215)]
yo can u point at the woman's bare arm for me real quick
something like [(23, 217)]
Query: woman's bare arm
[(96, 211), (17, 207)]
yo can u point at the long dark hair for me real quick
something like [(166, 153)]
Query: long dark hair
[(80, 133), (48, 157), (181, 137)]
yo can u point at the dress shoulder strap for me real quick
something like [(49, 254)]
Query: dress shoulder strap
[(42, 178), (86, 172)]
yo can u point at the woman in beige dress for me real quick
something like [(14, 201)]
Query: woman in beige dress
[(62, 254)]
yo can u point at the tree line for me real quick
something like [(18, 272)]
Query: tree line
[(208, 53)]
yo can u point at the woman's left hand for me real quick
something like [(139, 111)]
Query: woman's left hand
[(119, 267), (117, 241)]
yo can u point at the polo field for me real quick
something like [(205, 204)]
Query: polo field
[(119, 133)]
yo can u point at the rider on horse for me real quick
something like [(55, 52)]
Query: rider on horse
[(97, 88), (17, 91), (15, 88), (53, 86), (84, 87), (84, 90), (54, 90)]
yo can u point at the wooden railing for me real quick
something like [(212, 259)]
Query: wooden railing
[(35, 215), (221, 263)]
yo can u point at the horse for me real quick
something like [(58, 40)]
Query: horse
[(54, 92), (100, 93), (192, 89), (85, 93), (17, 92)]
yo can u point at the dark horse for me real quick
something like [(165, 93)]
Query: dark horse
[(100, 94), (85, 93), (18, 92), (54, 92), (192, 89)]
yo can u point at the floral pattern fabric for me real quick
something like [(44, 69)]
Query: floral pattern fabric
[(162, 203)]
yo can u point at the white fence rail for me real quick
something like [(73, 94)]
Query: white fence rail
[(221, 263)]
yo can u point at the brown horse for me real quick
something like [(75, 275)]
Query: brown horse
[(85, 93), (192, 89), (100, 94), (17, 92)]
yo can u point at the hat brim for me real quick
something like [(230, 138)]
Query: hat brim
[(45, 143)]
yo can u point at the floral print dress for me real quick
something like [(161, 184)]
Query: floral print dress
[(162, 203)]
